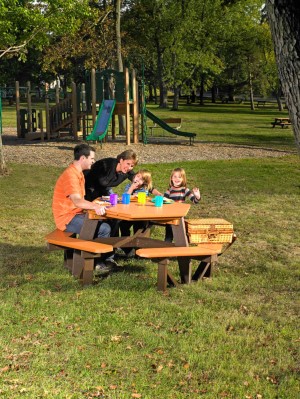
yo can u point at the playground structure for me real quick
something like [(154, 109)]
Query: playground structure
[(90, 109), (77, 114)]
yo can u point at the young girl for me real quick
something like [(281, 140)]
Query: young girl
[(142, 182), (178, 192)]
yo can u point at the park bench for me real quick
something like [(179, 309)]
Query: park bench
[(207, 254), (282, 122), (169, 121), (73, 248), (261, 102)]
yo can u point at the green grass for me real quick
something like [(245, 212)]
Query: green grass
[(9, 113), (230, 123), (232, 336), (213, 123)]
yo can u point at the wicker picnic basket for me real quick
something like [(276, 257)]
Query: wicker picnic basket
[(209, 230)]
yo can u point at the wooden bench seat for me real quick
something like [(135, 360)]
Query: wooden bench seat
[(282, 124), (207, 255), (74, 248), (174, 252)]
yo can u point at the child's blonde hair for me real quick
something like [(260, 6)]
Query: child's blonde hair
[(147, 179), (181, 171)]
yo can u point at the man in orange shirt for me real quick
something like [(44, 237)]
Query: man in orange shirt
[(68, 199)]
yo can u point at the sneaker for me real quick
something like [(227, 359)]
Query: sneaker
[(119, 253), (102, 269), (131, 253), (111, 264)]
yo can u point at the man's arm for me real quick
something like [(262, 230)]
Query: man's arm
[(80, 202)]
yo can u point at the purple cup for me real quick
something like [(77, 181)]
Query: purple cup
[(113, 199)]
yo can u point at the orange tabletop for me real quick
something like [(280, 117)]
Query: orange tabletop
[(149, 211)]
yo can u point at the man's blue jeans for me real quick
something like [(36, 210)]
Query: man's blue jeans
[(76, 223)]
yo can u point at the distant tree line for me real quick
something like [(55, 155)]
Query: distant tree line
[(190, 46), (186, 46)]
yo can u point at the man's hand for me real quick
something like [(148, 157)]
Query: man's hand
[(100, 209)]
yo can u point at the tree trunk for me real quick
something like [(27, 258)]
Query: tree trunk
[(176, 98), (284, 20), (121, 118), (150, 98), (278, 99), (251, 92), (155, 95), (163, 97), (201, 94), (213, 94)]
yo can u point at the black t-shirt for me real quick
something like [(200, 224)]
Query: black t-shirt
[(102, 176)]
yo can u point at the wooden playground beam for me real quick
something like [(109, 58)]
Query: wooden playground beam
[(127, 106), (18, 109), (135, 108)]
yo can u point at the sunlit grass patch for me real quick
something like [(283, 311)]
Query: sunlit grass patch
[(233, 335)]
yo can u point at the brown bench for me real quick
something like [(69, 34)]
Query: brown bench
[(261, 102), (282, 124), (169, 121), (207, 254), (78, 254)]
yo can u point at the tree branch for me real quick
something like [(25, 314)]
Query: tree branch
[(17, 49)]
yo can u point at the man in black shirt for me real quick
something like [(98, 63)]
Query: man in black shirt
[(109, 172)]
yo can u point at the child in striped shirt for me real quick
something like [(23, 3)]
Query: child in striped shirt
[(178, 192)]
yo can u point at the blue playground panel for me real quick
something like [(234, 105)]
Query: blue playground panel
[(103, 120)]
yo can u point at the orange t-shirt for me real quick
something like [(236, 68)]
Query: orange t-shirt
[(71, 181)]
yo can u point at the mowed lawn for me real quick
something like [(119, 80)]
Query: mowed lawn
[(218, 123), (235, 335), (230, 123)]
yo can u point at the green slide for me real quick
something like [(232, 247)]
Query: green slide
[(168, 128), (103, 120)]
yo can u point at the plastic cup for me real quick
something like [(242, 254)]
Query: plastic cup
[(113, 199), (142, 198), (126, 199), (158, 200)]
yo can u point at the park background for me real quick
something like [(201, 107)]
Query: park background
[(232, 336)]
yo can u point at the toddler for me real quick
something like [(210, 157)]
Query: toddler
[(178, 192), (142, 182)]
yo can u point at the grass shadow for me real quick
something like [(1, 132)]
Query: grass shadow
[(43, 270)]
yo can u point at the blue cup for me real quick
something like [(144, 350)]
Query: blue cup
[(113, 199), (158, 200), (126, 199)]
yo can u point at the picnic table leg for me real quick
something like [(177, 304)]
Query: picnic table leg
[(88, 228), (164, 276), (184, 263), (205, 268), (87, 272), (68, 259), (83, 268), (162, 273), (78, 264)]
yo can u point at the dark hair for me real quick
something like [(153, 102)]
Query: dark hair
[(128, 155), (82, 150)]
